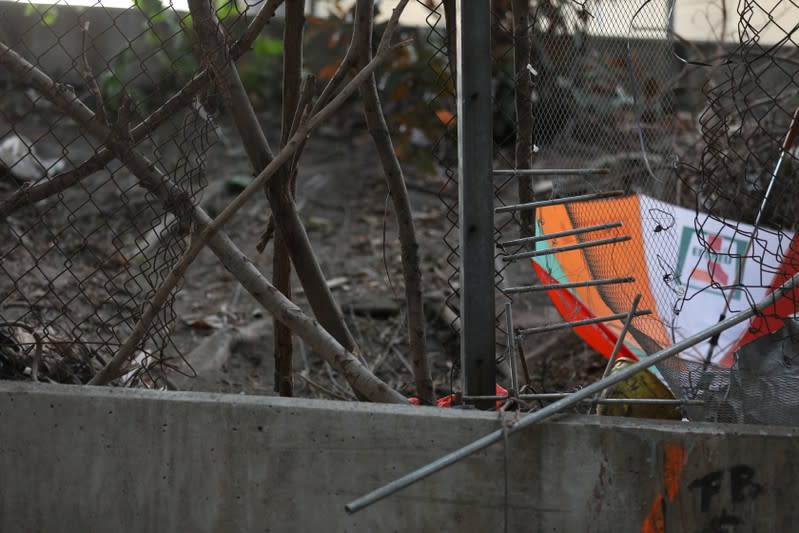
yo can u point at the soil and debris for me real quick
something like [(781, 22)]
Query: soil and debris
[(221, 338)]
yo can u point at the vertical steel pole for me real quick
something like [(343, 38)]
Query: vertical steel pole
[(476, 197)]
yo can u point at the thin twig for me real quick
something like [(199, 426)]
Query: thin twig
[(283, 184), (333, 379), (402, 358), (523, 150), (362, 342), (322, 388), (306, 94), (88, 77)]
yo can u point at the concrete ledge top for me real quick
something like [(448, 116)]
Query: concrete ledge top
[(304, 404)]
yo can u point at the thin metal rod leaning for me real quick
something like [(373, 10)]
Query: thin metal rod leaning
[(582, 394), (787, 144), (569, 247), (567, 233), (586, 322), (557, 201), (570, 285), (559, 395), (514, 376), (551, 171), (620, 340)]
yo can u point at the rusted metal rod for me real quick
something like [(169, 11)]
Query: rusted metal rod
[(514, 379), (557, 201), (620, 340), (569, 247), (586, 322), (570, 285), (567, 233)]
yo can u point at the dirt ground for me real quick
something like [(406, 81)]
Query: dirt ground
[(342, 196), (222, 334)]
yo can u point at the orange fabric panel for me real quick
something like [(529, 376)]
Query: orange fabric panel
[(608, 261), (597, 336), (554, 219)]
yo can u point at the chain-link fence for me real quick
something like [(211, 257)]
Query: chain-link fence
[(440, 58), (713, 210), (84, 247), (600, 78), (743, 183), (113, 120)]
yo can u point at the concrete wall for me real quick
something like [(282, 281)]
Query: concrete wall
[(57, 48), (99, 459)]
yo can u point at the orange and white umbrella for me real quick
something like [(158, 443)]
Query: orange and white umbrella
[(684, 265)]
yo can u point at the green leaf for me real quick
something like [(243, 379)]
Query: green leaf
[(265, 47), (151, 8), (49, 17), (226, 10)]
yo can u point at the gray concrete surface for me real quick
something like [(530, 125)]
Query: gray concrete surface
[(56, 48), (101, 459)]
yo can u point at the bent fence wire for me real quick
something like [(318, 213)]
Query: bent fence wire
[(743, 183)]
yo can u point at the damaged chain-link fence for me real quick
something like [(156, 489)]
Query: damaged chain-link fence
[(83, 247)]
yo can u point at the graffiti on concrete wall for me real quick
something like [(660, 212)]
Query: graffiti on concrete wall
[(718, 492)]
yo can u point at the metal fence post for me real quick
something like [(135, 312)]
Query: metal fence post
[(476, 195)]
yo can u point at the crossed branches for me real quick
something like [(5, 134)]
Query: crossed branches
[(330, 337)]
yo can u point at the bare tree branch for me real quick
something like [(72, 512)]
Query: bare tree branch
[(287, 220), (63, 97), (88, 76), (523, 157), (284, 184), (412, 272)]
